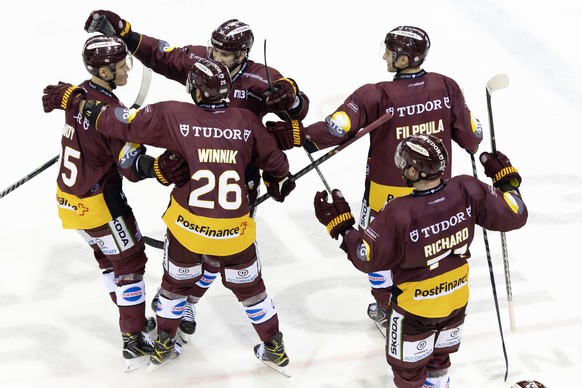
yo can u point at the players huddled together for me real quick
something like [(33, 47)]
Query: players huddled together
[(416, 222)]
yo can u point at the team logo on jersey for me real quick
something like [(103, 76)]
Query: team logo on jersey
[(184, 129), (414, 235)]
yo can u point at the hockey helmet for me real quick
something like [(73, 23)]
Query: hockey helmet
[(528, 384), (103, 50), (410, 41), (426, 153), (233, 35), (211, 77)]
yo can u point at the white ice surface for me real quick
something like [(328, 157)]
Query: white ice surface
[(59, 326)]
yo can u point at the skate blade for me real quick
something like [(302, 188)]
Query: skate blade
[(155, 367), (284, 370), (136, 363), (381, 328), (183, 336)]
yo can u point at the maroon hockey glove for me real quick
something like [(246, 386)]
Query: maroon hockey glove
[(171, 168), (335, 216), (283, 97), (62, 96), (287, 134), (499, 169), (108, 23), (278, 187)]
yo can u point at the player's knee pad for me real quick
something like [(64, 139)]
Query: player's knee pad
[(380, 279), (261, 312), (130, 294), (171, 308), (109, 280)]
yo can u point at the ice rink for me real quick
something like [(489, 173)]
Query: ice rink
[(60, 327)]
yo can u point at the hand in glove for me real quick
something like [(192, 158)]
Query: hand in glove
[(171, 168), (335, 216), (108, 23), (278, 187), (499, 169), (283, 96), (287, 134), (62, 96)]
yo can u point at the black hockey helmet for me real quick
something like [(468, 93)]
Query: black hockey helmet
[(103, 50), (426, 153), (410, 41), (212, 78)]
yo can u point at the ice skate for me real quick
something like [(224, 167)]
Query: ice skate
[(188, 324), (150, 324), (137, 347), (378, 315), (273, 354), (165, 350)]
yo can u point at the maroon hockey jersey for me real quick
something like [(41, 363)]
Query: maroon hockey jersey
[(89, 183), (210, 214), (248, 83), (424, 238), (421, 103)]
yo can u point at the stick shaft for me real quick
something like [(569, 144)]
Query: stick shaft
[(362, 132)]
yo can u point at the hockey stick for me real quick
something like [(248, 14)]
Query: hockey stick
[(143, 91), (369, 128), (362, 132), (29, 176), (501, 81), (327, 187), (146, 80), (492, 278)]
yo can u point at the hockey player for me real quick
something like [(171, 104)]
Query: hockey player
[(424, 239), (89, 190), (421, 103), (231, 43), (208, 220)]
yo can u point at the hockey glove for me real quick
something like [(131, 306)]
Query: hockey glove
[(335, 216), (92, 109), (108, 23), (171, 168), (278, 187), (62, 96), (283, 96), (499, 169), (287, 134)]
